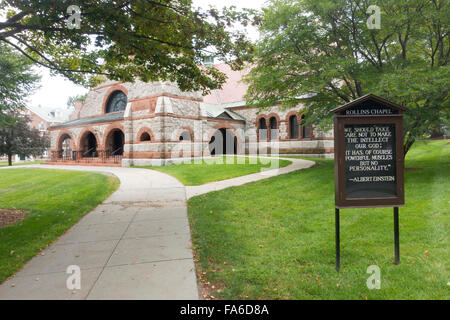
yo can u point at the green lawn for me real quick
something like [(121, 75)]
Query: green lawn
[(54, 200), (5, 163), (274, 239), (209, 170)]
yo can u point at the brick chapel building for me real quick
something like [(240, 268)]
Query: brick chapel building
[(156, 124)]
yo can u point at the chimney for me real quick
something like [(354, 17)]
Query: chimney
[(76, 113), (78, 105)]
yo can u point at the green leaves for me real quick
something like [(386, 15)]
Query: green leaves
[(323, 49), (16, 137), (18, 79), (128, 40)]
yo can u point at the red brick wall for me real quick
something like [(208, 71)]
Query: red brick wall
[(36, 120)]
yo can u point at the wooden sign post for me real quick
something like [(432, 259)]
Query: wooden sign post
[(368, 158)]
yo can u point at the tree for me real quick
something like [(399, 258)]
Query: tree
[(125, 39), (324, 52), (16, 137), (18, 80)]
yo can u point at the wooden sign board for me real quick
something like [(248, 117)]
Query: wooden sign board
[(368, 153)]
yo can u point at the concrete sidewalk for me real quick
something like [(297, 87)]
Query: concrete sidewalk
[(136, 245), (297, 164)]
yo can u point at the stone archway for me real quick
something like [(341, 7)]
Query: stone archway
[(223, 141), (88, 145), (114, 142), (65, 146)]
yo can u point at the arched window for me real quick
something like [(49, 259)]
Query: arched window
[(185, 136), (117, 101), (273, 128), (306, 129), (293, 127), (262, 129), (145, 136)]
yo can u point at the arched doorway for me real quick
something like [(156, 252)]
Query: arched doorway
[(66, 149), (223, 141), (65, 146), (115, 142), (89, 146)]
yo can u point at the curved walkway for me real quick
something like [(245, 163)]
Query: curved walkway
[(135, 245), (297, 164)]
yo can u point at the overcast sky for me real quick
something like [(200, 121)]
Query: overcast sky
[(55, 90)]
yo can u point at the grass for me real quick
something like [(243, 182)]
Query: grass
[(5, 163), (215, 169), (54, 200), (274, 239)]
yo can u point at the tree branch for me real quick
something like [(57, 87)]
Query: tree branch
[(18, 17), (52, 66)]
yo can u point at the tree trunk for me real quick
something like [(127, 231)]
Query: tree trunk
[(407, 145), (9, 159)]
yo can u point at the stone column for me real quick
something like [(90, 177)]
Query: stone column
[(127, 159)]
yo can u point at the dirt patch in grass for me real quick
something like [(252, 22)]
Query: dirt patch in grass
[(9, 216)]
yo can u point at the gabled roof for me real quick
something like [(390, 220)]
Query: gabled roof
[(219, 111), (51, 114), (369, 97), (224, 115)]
